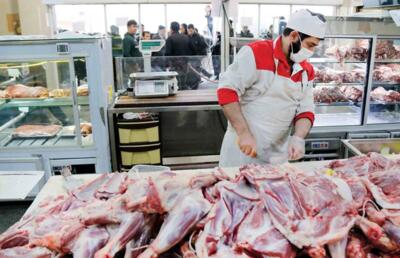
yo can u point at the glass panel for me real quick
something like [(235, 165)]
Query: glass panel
[(152, 15), (188, 13), (322, 9), (36, 106), (247, 26), (119, 14), (83, 92), (194, 72), (340, 77), (268, 15), (80, 18), (385, 94)]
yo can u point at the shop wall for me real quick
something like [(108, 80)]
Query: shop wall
[(34, 18), (8, 16)]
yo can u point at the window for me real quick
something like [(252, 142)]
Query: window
[(323, 9), (80, 18), (269, 15), (188, 13), (120, 14), (152, 15), (248, 16)]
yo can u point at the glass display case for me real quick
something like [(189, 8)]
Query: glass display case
[(341, 65), (42, 102), (384, 104), (53, 100)]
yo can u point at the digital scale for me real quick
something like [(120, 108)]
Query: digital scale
[(153, 84)]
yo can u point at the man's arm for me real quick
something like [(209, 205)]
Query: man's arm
[(246, 140), (302, 127), (240, 76)]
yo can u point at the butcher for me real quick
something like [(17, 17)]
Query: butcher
[(267, 95)]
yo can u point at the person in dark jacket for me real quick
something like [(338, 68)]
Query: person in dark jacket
[(245, 33), (129, 43), (200, 47), (198, 44), (179, 45)]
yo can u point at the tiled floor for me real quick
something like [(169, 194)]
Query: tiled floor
[(11, 212)]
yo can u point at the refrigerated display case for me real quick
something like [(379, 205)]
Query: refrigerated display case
[(53, 100), (384, 105), (341, 64)]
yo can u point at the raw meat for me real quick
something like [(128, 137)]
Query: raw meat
[(89, 242), (130, 228), (329, 75), (256, 234), (264, 211), (187, 212), (384, 186), (36, 130), (22, 91), (316, 217), (385, 95), (357, 52), (328, 94), (387, 73), (353, 93), (386, 50), (26, 252)]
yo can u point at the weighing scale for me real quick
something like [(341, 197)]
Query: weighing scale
[(153, 84)]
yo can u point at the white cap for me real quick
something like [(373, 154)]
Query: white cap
[(303, 21)]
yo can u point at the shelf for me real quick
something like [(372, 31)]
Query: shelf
[(385, 83), (48, 102), (330, 84), (387, 61), (336, 104), (379, 102), (321, 60)]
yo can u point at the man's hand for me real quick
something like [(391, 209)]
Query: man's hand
[(247, 144), (296, 149)]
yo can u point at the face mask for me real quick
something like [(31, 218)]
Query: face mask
[(301, 54)]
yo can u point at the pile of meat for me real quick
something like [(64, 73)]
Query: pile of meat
[(22, 91), (357, 52), (329, 75), (263, 211), (332, 94), (385, 50), (387, 73), (381, 94)]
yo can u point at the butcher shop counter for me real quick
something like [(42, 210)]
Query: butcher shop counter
[(55, 185), (185, 128)]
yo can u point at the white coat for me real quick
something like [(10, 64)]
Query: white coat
[(270, 99)]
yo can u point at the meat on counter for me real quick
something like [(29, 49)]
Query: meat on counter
[(262, 211)]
